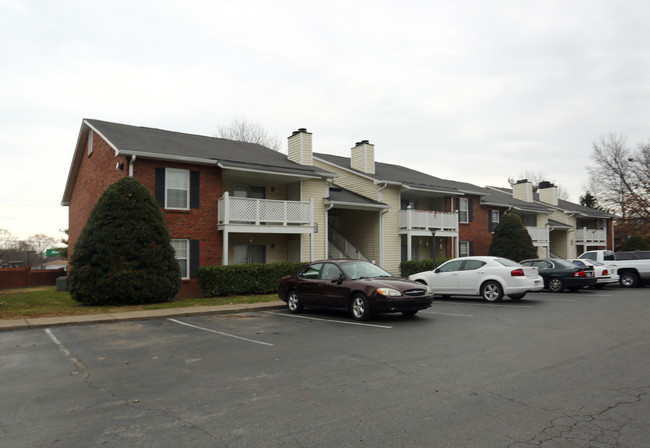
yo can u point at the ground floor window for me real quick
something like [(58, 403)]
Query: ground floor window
[(249, 253), (464, 249), (182, 249)]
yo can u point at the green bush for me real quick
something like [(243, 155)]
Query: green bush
[(124, 254), (407, 268), (512, 240), (244, 278)]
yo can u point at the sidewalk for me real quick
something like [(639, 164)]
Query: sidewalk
[(39, 322)]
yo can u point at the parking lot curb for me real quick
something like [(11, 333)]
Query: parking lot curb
[(41, 322)]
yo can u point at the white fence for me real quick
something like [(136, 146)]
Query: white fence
[(264, 211), (424, 219), (586, 235)]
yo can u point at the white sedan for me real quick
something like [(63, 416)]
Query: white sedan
[(606, 274), (487, 277)]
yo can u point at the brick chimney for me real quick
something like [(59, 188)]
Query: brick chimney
[(548, 193), (300, 150), (363, 157), (523, 190)]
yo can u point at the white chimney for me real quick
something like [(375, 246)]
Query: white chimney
[(300, 150), (523, 190), (363, 157), (548, 193)]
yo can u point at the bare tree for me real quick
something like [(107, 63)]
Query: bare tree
[(620, 180), (251, 132)]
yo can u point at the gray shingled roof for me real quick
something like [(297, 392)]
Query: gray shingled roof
[(500, 198), (151, 142), (387, 172), (564, 205), (341, 196)]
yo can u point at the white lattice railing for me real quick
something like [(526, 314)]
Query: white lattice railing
[(424, 219), (586, 235), (538, 234), (233, 210)]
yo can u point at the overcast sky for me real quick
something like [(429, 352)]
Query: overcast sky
[(475, 91)]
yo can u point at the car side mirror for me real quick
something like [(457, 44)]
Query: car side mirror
[(436, 271), (338, 279)]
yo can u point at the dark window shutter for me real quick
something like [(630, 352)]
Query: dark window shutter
[(470, 210), (457, 204), (160, 186), (194, 188), (471, 248), (194, 258)]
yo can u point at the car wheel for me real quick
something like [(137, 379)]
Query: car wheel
[(409, 313), (293, 302), (629, 280), (517, 296), (556, 285), (360, 308), (492, 291)]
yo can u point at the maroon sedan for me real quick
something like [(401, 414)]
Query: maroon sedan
[(357, 286)]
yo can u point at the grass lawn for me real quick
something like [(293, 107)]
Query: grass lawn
[(47, 302)]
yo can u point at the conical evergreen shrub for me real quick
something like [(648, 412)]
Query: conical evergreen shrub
[(512, 240), (124, 254)]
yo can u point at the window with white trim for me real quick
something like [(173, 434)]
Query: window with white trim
[(182, 250), (177, 189), (464, 249), (463, 210), (90, 142)]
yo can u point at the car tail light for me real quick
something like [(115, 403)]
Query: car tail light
[(579, 274), (517, 273), (605, 272)]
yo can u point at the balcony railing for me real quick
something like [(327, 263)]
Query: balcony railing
[(586, 235), (250, 211), (425, 220), (540, 235)]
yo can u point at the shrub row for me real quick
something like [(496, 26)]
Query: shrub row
[(245, 278), (407, 268)]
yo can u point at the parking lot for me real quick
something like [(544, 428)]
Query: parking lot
[(554, 370)]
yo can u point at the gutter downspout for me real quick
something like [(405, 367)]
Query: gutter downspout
[(382, 186), (131, 163)]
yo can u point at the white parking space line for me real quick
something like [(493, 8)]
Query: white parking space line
[(71, 356), (486, 305), (448, 314), (221, 333), (558, 299), (328, 320)]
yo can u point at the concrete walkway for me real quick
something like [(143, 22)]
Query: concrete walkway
[(39, 322)]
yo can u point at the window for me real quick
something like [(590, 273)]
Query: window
[(177, 188), (472, 265), (249, 253), (90, 142), (311, 271), (463, 210), (408, 204), (451, 266), (249, 191), (181, 247), (464, 249), (331, 272), (494, 220)]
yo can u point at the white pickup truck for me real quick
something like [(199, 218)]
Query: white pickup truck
[(632, 269)]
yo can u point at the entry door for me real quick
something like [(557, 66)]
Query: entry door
[(445, 281)]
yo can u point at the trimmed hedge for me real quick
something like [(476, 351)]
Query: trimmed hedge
[(407, 268), (244, 279)]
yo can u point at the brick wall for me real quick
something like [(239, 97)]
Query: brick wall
[(477, 231), (96, 172)]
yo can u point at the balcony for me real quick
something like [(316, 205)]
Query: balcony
[(591, 236), (268, 214), (415, 221), (540, 235)]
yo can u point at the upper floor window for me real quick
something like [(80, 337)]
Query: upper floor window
[(177, 188), (494, 220), (408, 204), (249, 191), (463, 210)]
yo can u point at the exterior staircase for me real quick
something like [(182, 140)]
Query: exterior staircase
[(340, 247)]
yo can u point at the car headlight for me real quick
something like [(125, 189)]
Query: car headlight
[(429, 290), (389, 292)]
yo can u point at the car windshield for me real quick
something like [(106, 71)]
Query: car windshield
[(507, 262), (362, 269)]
